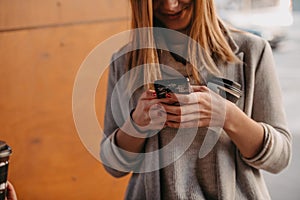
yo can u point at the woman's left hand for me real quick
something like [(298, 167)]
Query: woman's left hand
[(204, 108), (201, 108)]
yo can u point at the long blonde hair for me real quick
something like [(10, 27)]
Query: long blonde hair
[(206, 30)]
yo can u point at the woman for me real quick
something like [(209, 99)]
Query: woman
[(254, 137)]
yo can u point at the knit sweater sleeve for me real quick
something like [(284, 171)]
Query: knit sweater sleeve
[(269, 112), (116, 161)]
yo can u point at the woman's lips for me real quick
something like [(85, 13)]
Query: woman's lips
[(173, 16), (176, 15)]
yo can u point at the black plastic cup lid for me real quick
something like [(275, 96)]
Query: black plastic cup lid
[(232, 85), (5, 150)]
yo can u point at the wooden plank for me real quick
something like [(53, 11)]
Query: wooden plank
[(19, 14), (38, 69)]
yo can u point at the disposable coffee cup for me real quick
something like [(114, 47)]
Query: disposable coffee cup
[(228, 89), (5, 152)]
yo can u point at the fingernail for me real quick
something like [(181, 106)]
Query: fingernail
[(168, 95), (154, 94)]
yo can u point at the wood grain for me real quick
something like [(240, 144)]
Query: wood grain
[(21, 14), (38, 69)]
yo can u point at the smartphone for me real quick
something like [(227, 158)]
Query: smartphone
[(178, 86)]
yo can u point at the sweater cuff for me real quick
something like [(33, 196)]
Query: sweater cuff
[(126, 157), (117, 158), (275, 154), (258, 159)]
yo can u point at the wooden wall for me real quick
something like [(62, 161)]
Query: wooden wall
[(42, 44)]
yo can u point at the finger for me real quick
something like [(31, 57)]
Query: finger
[(183, 109), (158, 103), (190, 116), (186, 98), (148, 94), (189, 124), (199, 88), (183, 118), (195, 97)]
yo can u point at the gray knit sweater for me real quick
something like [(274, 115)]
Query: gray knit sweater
[(224, 173)]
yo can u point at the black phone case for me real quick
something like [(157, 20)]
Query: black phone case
[(178, 86)]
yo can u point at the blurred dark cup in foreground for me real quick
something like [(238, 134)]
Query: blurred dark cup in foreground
[(228, 89), (5, 152)]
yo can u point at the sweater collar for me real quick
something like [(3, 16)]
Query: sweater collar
[(234, 47)]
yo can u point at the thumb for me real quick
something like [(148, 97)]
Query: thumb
[(149, 94), (199, 88)]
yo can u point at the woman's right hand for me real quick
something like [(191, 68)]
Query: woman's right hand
[(149, 114)]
